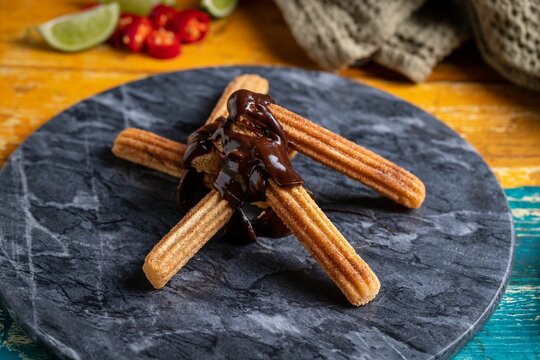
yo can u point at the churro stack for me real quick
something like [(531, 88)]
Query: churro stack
[(292, 204)]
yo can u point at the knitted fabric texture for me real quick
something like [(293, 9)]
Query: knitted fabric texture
[(423, 40), (412, 36), (337, 33), (507, 33)]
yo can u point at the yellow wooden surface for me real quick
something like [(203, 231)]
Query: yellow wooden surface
[(501, 120)]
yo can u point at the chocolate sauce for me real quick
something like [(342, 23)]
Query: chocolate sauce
[(190, 190), (269, 224), (239, 230), (248, 158), (252, 146)]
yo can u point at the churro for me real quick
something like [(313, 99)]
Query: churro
[(324, 242), (350, 159), (289, 200), (311, 140), (303, 217), (164, 155), (150, 150), (202, 222), (175, 249)]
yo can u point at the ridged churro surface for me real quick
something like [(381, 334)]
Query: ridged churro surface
[(153, 151), (150, 150), (158, 153), (203, 221), (299, 212), (184, 240), (351, 159), (324, 242), (293, 205), (306, 137)]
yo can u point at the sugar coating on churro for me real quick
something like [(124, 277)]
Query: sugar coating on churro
[(351, 159), (175, 249), (245, 141), (229, 154), (150, 150), (279, 198), (211, 213), (324, 242)]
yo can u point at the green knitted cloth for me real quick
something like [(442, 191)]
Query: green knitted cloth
[(412, 36)]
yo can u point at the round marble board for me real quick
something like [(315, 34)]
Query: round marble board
[(76, 224)]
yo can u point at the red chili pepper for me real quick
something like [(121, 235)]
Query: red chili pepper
[(162, 44), (190, 25), (125, 20), (135, 34), (161, 15)]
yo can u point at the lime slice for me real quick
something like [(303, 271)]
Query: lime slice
[(82, 30), (139, 7), (219, 8)]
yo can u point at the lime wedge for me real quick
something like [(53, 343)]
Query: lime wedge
[(219, 8), (139, 7), (82, 30)]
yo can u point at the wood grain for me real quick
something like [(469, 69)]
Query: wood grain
[(513, 332), (499, 119)]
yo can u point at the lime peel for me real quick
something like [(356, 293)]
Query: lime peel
[(81, 30), (219, 8)]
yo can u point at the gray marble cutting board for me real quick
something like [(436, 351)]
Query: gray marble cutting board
[(76, 224)]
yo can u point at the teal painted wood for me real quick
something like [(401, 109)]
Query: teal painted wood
[(15, 344), (513, 332)]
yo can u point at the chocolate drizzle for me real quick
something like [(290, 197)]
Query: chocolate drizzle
[(251, 146)]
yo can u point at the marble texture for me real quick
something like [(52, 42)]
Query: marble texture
[(76, 224)]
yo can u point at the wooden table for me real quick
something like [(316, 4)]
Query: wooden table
[(500, 120)]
